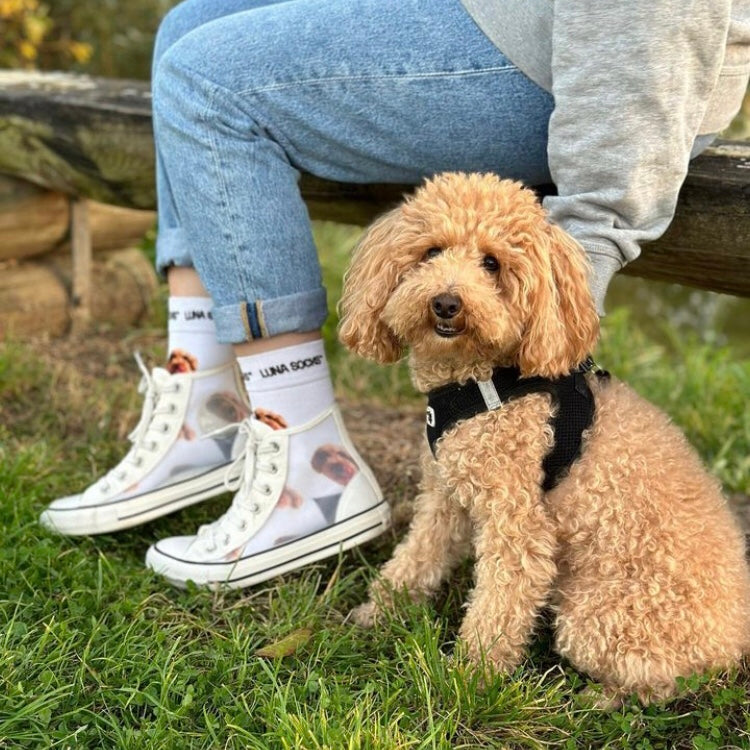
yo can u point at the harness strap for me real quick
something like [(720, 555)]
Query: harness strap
[(571, 394)]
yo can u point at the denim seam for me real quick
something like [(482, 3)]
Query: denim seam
[(246, 323), (215, 90), (370, 77), (280, 137), (261, 318)]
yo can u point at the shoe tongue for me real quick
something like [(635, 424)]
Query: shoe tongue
[(160, 375), (261, 429)]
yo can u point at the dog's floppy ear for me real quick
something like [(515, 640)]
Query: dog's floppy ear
[(379, 259), (562, 326)]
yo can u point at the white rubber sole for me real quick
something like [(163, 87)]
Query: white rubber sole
[(104, 518), (261, 566)]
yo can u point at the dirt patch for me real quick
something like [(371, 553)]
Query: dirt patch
[(102, 354), (390, 440)]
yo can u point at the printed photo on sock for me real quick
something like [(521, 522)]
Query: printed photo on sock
[(334, 462), (274, 420), (180, 360)]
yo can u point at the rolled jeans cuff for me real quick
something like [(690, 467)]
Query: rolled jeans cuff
[(171, 245), (241, 322)]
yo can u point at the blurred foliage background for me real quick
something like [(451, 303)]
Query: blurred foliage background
[(30, 37), (101, 37), (740, 128)]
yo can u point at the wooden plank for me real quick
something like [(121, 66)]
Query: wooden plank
[(708, 243), (80, 235), (725, 165), (79, 135), (92, 137)]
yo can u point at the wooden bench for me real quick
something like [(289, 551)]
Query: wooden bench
[(92, 138)]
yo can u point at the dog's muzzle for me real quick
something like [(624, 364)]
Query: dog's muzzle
[(447, 309)]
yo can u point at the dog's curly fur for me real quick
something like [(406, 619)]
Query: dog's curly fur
[(635, 550)]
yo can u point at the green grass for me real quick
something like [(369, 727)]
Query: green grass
[(95, 652)]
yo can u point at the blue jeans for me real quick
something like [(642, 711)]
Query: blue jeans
[(247, 94)]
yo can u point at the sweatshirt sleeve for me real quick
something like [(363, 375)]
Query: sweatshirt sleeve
[(631, 82)]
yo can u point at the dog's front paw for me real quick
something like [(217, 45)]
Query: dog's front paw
[(365, 615), (601, 698), (494, 657), (473, 670)]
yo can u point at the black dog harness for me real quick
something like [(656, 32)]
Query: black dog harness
[(452, 403)]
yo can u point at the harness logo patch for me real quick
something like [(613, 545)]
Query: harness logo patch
[(430, 417)]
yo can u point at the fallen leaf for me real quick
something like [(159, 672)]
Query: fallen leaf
[(286, 646)]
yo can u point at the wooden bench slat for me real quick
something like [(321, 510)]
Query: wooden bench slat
[(92, 138)]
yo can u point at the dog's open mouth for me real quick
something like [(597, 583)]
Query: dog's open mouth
[(448, 331)]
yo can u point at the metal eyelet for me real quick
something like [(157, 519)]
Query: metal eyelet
[(139, 461), (173, 408), (153, 445), (266, 489), (177, 387), (121, 475), (255, 509), (274, 469), (276, 446), (165, 428), (243, 525)]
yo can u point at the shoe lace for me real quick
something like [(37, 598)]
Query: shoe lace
[(152, 391), (244, 476)]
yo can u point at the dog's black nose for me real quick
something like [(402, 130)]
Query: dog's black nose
[(446, 305)]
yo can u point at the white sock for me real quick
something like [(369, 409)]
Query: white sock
[(288, 386), (192, 336)]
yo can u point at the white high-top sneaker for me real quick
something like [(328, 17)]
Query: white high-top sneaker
[(173, 462), (286, 513)]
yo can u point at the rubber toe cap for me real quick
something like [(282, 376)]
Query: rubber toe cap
[(166, 550)]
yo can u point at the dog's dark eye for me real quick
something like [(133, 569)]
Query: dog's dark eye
[(489, 263), (433, 252)]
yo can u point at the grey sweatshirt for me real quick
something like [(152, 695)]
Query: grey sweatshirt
[(634, 84)]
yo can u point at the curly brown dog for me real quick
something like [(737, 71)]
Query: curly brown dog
[(635, 549)]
